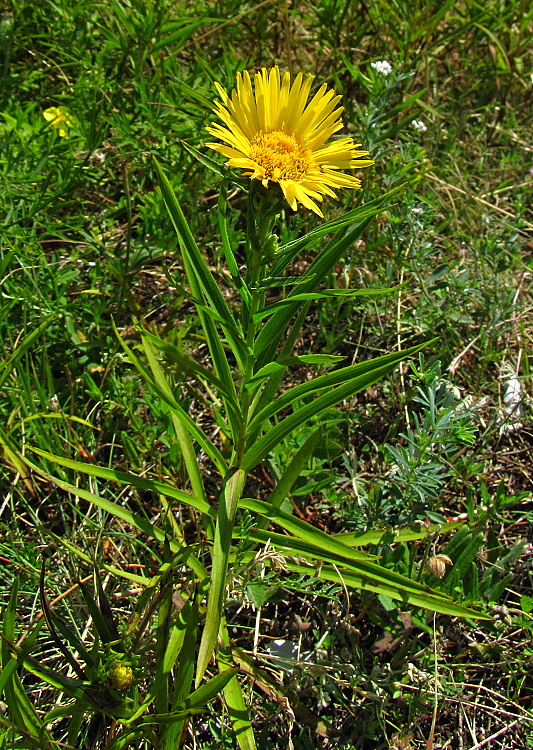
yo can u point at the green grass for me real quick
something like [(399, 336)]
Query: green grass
[(87, 244)]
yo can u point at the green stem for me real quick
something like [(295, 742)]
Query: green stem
[(261, 213)]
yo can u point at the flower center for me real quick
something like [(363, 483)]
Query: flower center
[(282, 155)]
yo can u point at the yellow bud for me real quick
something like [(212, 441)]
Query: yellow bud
[(120, 676)]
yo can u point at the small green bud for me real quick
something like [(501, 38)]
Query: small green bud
[(271, 247)]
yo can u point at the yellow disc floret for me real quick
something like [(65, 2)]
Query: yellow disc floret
[(281, 156)]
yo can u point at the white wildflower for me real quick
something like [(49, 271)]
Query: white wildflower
[(382, 67), (419, 125)]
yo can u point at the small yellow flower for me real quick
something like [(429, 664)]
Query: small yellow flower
[(274, 133), (60, 119), (120, 676)]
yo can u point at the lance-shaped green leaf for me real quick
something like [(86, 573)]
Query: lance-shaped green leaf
[(76, 667), (211, 164), (295, 468), (123, 477), (59, 540), (126, 515), (369, 575), (294, 546), (188, 366), (175, 409), (196, 700), (203, 286), (324, 294), (268, 340), (184, 439), (378, 536), (330, 380), (357, 215), (199, 274), (231, 261), (177, 33), (188, 624), (283, 362), (260, 449), (317, 538), (283, 281), (102, 618), (428, 599), (227, 509), (7, 365), (388, 114), (233, 697), (22, 711), (272, 386)]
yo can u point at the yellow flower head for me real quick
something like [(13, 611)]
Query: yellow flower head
[(278, 136), (60, 119)]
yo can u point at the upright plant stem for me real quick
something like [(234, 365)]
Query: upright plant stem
[(260, 217)]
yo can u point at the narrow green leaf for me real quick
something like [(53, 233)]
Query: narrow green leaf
[(202, 284), (188, 621), (361, 214), (295, 468), (73, 688), (227, 509), (189, 366), (267, 342), (49, 621), (188, 423), (318, 539), (195, 95), (164, 622), (19, 706), (184, 439), (141, 580), (362, 538), (433, 602), (260, 449), (106, 629), (283, 362), (323, 294), (389, 114), (233, 698), (122, 477), (331, 379), (231, 261), (176, 37), (7, 365), (293, 545), (185, 673), (197, 265), (208, 690), (9, 663), (77, 713), (131, 518)]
